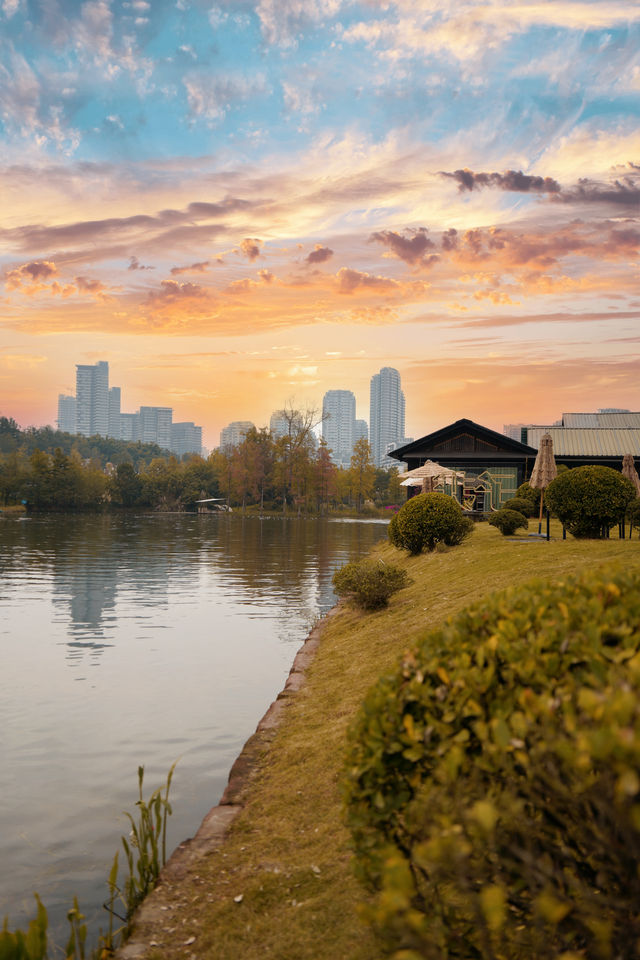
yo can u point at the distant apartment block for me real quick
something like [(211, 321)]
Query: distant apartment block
[(66, 413), (338, 424), (114, 427), (96, 410), (386, 420), (233, 434), (360, 431), (186, 438), (155, 425), (92, 399)]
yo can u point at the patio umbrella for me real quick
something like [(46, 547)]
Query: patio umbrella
[(544, 471), (629, 471)]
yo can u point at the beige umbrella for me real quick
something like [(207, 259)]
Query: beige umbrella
[(544, 471), (629, 471), (427, 475)]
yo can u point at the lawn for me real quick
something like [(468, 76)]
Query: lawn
[(282, 886)]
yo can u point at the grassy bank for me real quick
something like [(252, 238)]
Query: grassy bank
[(287, 856)]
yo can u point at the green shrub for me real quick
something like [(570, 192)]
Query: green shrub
[(369, 583), (428, 519), (493, 784), (526, 492), (508, 521), (633, 513), (589, 500), (521, 504), (31, 945)]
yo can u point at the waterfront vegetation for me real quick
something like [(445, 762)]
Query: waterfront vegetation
[(50, 470), (145, 852), (283, 884)]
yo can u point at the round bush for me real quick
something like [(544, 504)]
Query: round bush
[(369, 583), (521, 504), (428, 519), (589, 500), (633, 513), (492, 783), (508, 521), (526, 492)]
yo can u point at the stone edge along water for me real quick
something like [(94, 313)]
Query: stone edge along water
[(151, 916)]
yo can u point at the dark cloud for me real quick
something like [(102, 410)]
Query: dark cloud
[(350, 280), (319, 254), (251, 248), (450, 239), (511, 180), (200, 267), (623, 192), (134, 264), (172, 291), (85, 285), (166, 225), (36, 271), (411, 248)]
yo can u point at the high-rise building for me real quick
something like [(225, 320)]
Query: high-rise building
[(360, 430), (233, 435), (386, 420), (66, 413), (92, 399), (114, 428), (155, 425), (339, 416), (130, 426), (186, 438)]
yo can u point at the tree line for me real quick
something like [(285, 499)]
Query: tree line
[(51, 470)]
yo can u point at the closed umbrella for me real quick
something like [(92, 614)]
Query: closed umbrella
[(544, 471), (629, 471)]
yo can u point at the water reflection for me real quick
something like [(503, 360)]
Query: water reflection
[(129, 640)]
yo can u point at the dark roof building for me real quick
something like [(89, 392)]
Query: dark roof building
[(495, 465)]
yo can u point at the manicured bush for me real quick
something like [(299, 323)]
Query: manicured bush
[(369, 583), (492, 782), (589, 500), (526, 492), (521, 504), (428, 519), (508, 521), (633, 513)]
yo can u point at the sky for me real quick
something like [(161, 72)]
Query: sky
[(244, 204)]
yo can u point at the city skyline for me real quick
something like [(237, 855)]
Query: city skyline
[(248, 202)]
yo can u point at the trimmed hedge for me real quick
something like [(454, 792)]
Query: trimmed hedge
[(633, 513), (493, 785), (369, 583), (526, 492), (428, 519), (521, 504), (508, 521), (589, 500)]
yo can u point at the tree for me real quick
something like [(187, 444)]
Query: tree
[(294, 449), (325, 476), (362, 472), (590, 500)]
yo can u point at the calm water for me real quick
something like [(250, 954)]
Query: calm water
[(138, 640)]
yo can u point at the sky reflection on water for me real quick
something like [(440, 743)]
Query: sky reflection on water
[(138, 640)]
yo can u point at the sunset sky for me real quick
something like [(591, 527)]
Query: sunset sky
[(252, 202)]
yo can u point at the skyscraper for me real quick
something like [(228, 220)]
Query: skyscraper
[(386, 420), (155, 425), (92, 399), (66, 413), (186, 437), (115, 429), (339, 414), (233, 434)]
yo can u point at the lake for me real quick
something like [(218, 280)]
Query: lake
[(139, 640)]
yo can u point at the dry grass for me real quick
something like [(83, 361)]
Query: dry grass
[(288, 851)]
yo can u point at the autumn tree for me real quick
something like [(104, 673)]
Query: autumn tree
[(362, 472)]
